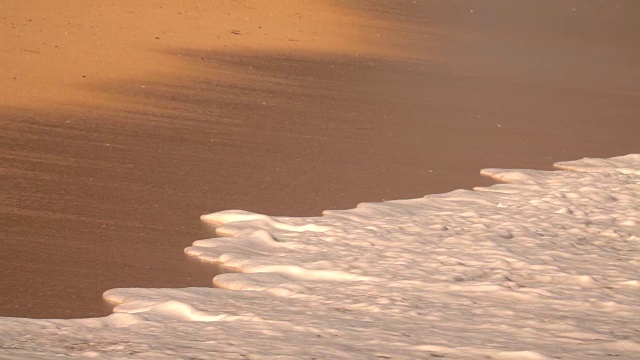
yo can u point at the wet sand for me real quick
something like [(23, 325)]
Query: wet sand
[(105, 176)]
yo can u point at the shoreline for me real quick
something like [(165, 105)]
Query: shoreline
[(465, 274)]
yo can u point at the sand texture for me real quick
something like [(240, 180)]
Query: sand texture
[(123, 122)]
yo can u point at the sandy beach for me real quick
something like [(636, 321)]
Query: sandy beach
[(123, 123)]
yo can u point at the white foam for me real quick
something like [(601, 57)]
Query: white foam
[(543, 266)]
